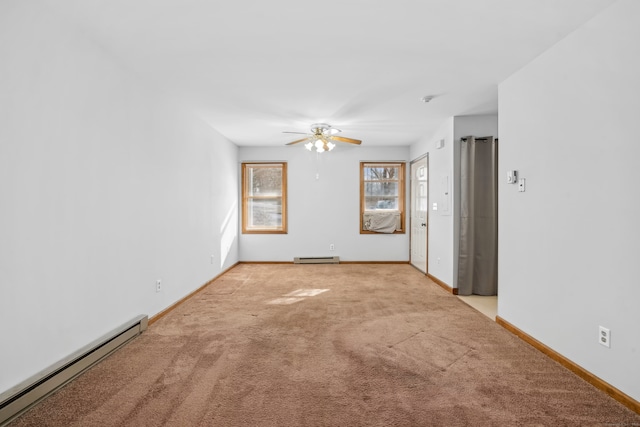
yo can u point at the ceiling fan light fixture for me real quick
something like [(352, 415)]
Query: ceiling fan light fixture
[(322, 138), (320, 145)]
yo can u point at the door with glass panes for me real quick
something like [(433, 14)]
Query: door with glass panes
[(419, 208)]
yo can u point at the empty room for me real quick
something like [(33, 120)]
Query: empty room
[(285, 213)]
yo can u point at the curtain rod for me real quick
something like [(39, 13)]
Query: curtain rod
[(484, 138)]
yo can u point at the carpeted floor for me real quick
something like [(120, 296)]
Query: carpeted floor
[(327, 345)]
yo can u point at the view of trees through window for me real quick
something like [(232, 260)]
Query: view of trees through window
[(382, 193), (264, 197), (381, 186)]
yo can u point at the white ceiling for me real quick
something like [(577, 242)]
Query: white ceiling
[(255, 68)]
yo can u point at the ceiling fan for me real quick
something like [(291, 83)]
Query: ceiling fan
[(322, 138)]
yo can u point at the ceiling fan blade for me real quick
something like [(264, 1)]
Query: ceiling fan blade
[(297, 141), (301, 133), (343, 139)]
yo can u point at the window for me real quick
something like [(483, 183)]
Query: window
[(264, 197), (381, 195)]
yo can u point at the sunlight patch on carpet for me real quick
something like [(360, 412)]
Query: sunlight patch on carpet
[(306, 292), (285, 301), (297, 296)]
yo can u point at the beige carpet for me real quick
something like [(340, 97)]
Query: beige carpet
[(327, 345)]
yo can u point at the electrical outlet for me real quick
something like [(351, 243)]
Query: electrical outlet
[(604, 337), (332, 247), (158, 285)]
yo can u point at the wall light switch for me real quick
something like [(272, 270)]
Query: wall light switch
[(512, 177), (521, 185)]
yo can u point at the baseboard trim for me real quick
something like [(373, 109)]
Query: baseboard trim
[(598, 383), (341, 262), (443, 285), (173, 306), (374, 262), (265, 262)]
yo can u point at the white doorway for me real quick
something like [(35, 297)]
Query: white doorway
[(418, 212)]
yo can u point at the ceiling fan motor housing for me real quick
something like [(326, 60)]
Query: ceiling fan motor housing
[(320, 128)]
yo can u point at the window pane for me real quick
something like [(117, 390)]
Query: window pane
[(265, 181), (381, 189), (380, 173), (374, 203), (265, 213)]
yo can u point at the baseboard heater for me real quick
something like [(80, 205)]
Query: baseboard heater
[(317, 260), (23, 396)]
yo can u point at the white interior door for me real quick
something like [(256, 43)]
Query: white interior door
[(419, 220)]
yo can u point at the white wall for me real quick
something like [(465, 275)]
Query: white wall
[(104, 188), (569, 245), (325, 210), (444, 189), (440, 230)]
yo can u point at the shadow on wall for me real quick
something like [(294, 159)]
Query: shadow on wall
[(228, 233)]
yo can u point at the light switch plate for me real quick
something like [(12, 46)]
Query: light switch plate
[(521, 185)]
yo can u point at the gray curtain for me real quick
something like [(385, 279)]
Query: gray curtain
[(478, 256)]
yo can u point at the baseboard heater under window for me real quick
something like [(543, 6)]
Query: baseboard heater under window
[(26, 394), (317, 260)]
